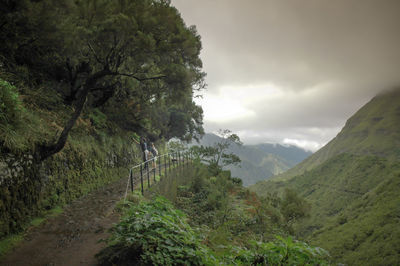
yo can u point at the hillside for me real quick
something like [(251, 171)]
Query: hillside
[(372, 130), (260, 161), (353, 185)]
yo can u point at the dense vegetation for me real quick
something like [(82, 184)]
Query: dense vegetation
[(353, 185), (79, 80), (134, 63), (218, 223)]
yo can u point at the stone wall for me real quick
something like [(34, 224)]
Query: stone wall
[(27, 187)]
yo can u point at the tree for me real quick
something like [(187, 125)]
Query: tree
[(293, 207), (217, 156), (138, 52)]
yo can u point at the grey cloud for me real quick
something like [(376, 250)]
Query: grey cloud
[(353, 45), (298, 42)]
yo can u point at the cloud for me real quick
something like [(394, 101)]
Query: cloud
[(277, 67)]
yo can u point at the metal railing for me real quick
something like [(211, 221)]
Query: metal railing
[(147, 170)]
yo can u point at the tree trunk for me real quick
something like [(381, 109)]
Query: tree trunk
[(46, 151)]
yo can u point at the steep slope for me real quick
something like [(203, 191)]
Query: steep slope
[(353, 185), (261, 161), (373, 130)]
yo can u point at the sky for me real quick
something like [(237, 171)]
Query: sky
[(293, 71)]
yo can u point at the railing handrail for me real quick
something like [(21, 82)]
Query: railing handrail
[(166, 166), (155, 157)]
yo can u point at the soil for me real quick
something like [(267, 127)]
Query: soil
[(71, 238)]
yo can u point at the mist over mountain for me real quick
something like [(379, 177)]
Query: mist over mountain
[(353, 185), (260, 161)]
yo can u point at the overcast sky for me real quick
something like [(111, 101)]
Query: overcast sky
[(293, 71)]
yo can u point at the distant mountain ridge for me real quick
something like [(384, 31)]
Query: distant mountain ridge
[(260, 161), (353, 185)]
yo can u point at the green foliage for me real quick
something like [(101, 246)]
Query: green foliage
[(154, 233), (216, 156), (175, 146), (10, 105), (8, 243), (282, 251), (132, 63), (225, 219), (11, 115), (294, 207), (98, 118), (227, 211)]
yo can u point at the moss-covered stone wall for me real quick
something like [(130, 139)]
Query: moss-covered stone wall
[(86, 163)]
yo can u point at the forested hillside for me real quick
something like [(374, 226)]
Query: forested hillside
[(261, 161), (79, 80), (353, 185)]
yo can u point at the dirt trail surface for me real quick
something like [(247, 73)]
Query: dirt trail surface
[(71, 238)]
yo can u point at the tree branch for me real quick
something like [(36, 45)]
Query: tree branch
[(139, 79), (94, 53), (2, 25)]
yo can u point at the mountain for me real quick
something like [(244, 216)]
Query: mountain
[(353, 186), (260, 161), (373, 130)]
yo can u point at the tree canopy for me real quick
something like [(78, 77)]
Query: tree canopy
[(135, 60)]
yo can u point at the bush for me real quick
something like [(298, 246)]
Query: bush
[(237, 181), (11, 116), (154, 233), (10, 105), (280, 252)]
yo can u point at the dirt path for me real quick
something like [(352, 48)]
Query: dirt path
[(72, 237)]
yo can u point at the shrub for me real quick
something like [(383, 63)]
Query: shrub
[(154, 233), (11, 116), (10, 105), (280, 252)]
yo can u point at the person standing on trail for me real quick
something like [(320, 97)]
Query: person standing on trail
[(154, 152), (143, 147)]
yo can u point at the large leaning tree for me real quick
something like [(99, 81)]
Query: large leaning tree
[(127, 54)]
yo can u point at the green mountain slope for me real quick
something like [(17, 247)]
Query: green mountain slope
[(373, 130), (353, 185), (261, 161)]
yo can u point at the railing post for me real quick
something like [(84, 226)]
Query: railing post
[(169, 162), (159, 166), (131, 179), (141, 177), (154, 171), (166, 164), (148, 176)]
